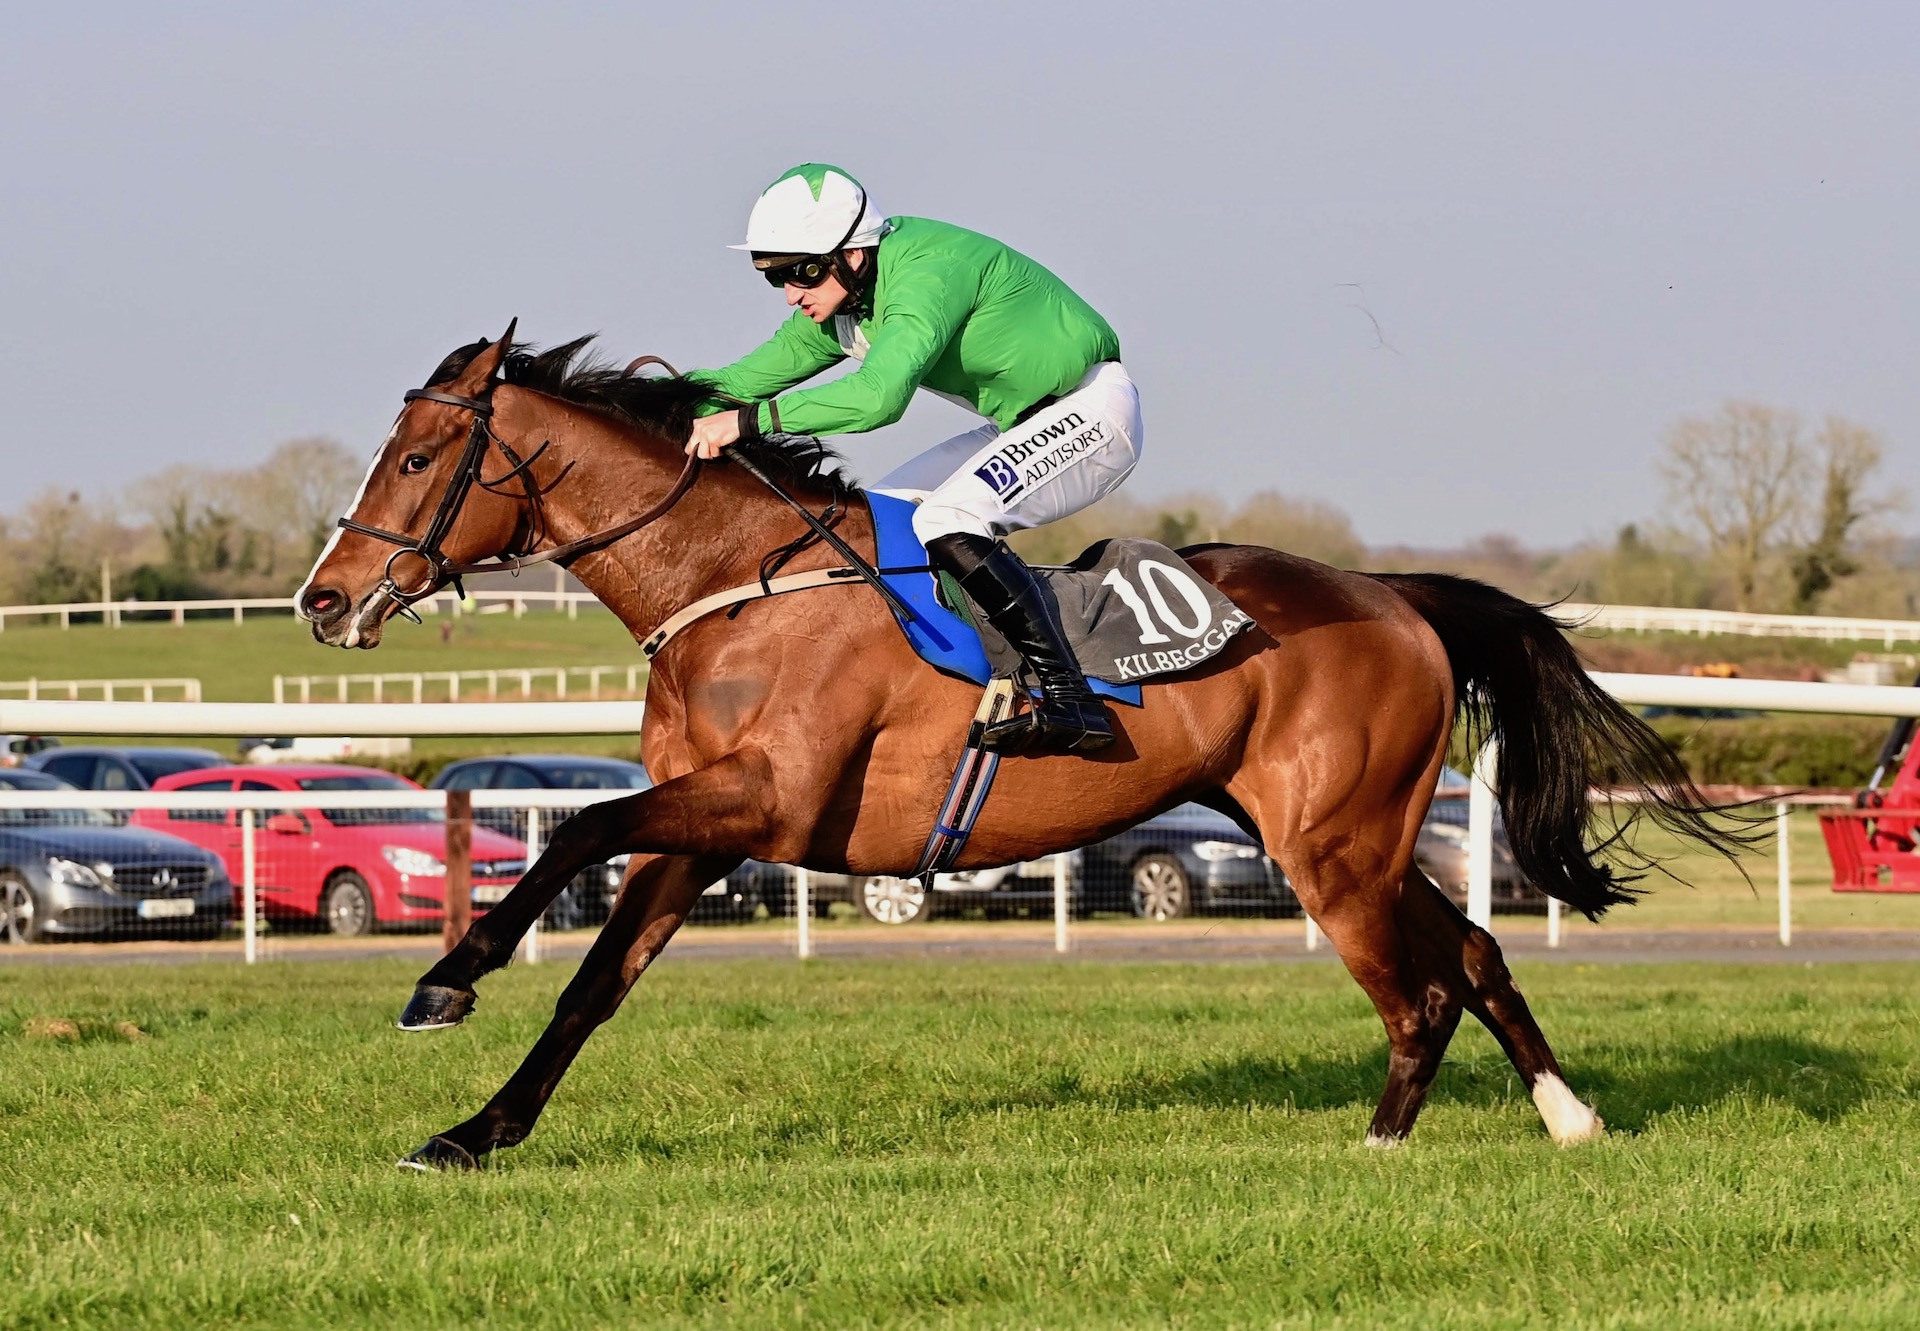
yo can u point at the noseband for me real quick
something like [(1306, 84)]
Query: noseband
[(439, 568)]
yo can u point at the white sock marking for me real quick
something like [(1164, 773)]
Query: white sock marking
[(1568, 1121)]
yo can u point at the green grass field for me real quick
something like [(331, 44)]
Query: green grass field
[(1010, 1145)]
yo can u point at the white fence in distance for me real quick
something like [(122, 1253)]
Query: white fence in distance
[(115, 614), (419, 686), (106, 690)]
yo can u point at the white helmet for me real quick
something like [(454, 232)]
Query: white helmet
[(813, 209)]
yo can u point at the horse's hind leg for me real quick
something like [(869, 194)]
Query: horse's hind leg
[(1452, 946), (659, 891)]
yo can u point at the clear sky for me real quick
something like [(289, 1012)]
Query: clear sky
[(1452, 268)]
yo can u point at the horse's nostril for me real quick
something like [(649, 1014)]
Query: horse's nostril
[(322, 601)]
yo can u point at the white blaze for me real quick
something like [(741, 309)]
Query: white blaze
[(353, 506)]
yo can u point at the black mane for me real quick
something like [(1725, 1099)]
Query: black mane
[(662, 404)]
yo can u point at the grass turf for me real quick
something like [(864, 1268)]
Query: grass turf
[(860, 1144)]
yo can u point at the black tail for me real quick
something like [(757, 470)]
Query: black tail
[(1520, 683)]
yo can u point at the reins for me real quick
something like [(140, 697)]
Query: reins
[(820, 529), (440, 569)]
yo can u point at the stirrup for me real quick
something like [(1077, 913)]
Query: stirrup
[(1042, 729)]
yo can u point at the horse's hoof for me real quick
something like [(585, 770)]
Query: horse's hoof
[(434, 1007), (440, 1155)]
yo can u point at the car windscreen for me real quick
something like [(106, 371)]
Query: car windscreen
[(153, 766), (368, 817), (55, 818), (594, 778)]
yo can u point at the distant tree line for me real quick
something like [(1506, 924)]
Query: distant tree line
[(188, 533), (1762, 512)]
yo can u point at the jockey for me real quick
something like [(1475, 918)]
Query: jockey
[(922, 304)]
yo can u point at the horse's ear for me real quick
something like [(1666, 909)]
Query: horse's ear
[(483, 369)]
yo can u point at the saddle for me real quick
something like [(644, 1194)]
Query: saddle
[(1133, 610)]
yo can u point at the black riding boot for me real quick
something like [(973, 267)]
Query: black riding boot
[(1067, 715)]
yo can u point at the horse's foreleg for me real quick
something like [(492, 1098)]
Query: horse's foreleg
[(715, 809), (654, 902)]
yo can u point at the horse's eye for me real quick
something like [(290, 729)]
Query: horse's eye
[(414, 464)]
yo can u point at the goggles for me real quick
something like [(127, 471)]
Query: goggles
[(806, 271)]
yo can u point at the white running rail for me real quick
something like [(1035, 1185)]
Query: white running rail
[(601, 718), (1621, 618)]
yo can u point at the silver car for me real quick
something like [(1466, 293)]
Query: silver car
[(77, 873)]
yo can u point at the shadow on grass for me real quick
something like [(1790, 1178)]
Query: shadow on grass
[(1633, 1085)]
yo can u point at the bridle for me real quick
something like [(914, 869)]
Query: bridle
[(480, 438)]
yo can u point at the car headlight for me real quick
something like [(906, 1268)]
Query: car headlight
[(1214, 851), (1448, 832), (72, 873), (413, 863)]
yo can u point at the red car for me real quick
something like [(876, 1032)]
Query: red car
[(357, 870)]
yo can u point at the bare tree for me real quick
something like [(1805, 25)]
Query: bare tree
[(1739, 477), (1849, 498), (307, 484), (1299, 526)]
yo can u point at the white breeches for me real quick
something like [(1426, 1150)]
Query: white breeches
[(1056, 462)]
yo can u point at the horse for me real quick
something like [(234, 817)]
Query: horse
[(803, 729)]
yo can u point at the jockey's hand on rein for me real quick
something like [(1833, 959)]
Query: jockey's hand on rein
[(713, 433)]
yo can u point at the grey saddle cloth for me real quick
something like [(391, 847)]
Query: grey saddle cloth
[(1132, 609)]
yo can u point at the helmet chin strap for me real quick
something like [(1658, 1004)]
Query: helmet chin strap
[(859, 282), (840, 262)]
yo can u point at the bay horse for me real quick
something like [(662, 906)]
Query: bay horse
[(804, 730)]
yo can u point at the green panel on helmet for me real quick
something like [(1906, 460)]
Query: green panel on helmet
[(815, 174)]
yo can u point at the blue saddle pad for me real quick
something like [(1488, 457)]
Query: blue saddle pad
[(943, 639)]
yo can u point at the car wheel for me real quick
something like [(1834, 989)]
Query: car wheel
[(20, 918), (1161, 888), (888, 900), (348, 907)]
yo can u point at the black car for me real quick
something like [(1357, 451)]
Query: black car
[(1183, 862), (588, 899), (1441, 851), (132, 767), (77, 873)]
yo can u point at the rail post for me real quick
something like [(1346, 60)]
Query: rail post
[(249, 891), (1785, 860), (803, 913), (1553, 921), (1061, 887), (1313, 934), (457, 912), (530, 943), (1480, 836)]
